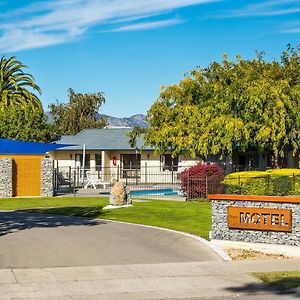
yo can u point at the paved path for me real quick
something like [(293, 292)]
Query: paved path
[(53, 257), (190, 280)]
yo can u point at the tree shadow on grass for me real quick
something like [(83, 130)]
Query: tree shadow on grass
[(14, 221), (74, 211), (278, 287)]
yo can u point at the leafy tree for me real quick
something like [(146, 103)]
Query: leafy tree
[(238, 104), (21, 113), (81, 112), (15, 86), (25, 124)]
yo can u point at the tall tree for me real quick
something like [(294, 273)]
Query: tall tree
[(23, 124), (16, 86), (238, 104), (21, 113), (79, 113)]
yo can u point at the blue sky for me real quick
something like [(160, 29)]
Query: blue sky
[(129, 48)]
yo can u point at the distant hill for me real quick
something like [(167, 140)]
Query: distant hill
[(135, 120)]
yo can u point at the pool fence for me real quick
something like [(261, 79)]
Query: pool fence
[(140, 182)]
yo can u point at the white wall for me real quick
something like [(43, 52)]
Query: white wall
[(151, 166)]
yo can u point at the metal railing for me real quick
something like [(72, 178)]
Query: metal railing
[(272, 185), (147, 182), (155, 181)]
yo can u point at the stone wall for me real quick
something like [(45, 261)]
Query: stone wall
[(47, 177), (220, 230), (6, 177)]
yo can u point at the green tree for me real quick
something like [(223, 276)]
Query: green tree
[(21, 113), (15, 86), (238, 104), (23, 124), (79, 113)]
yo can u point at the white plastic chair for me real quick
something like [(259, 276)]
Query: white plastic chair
[(93, 180)]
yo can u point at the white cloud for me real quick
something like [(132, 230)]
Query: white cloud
[(53, 22), (16, 39), (291, 27), (148, 25), (266, 8), (292, 30)]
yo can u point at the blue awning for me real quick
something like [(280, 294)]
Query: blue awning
[(27, 148)]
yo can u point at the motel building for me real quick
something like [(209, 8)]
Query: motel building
[(107, 153)]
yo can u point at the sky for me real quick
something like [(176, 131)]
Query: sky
[(128, 49)]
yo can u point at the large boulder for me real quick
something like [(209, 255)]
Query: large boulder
[(118, 194)]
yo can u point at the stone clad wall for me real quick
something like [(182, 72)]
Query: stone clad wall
[(220, 230), (47, 189), (6, 177)]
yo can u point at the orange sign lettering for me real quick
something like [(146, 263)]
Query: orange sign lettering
[(260, 218)]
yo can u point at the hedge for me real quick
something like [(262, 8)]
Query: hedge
[(280, 182)]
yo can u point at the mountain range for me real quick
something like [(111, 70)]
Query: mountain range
[(135, 120)]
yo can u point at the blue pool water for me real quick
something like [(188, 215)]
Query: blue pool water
[(164, 192), (153, 192)]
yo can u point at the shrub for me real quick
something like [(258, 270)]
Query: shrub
[(255, 186), (281, 182), (199, 179), (282, 185)]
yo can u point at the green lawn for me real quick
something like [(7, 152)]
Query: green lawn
[(24, 203), (190, 217), (280, 280)]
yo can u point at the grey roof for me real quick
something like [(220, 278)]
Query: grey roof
[(101, 139)]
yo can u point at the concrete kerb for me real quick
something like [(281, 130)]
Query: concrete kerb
[(209, 244)]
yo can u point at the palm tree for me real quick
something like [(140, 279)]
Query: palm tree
[(14, 84)]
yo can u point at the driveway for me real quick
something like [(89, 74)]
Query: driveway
[(56, 257), (30, 240)]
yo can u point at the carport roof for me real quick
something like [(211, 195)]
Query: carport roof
[(102, 139), (10, 147)]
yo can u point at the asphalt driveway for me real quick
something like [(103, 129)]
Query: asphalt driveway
[(30, 240)]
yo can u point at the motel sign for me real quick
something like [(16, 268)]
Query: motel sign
[(260, 218)]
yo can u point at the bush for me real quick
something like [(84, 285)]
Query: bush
[(199, 179), (281, 182), (282, 185)]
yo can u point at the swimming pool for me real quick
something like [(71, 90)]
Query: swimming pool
[(164, 192)]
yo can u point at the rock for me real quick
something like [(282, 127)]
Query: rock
[(118, 194)]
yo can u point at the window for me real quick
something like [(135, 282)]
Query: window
[(131, 161), (79, 161), (98, 162), (169, 163), (131, 165)]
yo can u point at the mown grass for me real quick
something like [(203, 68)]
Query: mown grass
[(280, 280), (24, 203), (190, 217)]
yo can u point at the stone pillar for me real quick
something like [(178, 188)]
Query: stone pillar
[(47, 183), (6, 177)]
